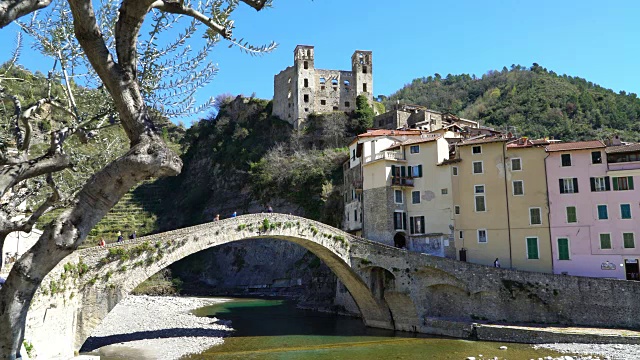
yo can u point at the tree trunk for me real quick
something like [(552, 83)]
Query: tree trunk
[(149, 158)]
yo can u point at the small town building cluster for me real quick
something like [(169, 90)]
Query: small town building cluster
[(462, 191)]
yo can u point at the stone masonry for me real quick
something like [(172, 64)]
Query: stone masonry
[(392, 288), (301, 89)]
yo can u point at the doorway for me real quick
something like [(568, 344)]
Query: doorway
[(399, 240), (632, 269)]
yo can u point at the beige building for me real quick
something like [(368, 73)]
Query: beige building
[(500, 203)]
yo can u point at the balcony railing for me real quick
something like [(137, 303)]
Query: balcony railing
[(631, 165), (384, 155), (401, 181)]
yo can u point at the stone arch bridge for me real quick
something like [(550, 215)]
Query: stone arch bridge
[(392, 288)]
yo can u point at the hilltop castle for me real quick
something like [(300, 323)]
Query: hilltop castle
[(301, 89)]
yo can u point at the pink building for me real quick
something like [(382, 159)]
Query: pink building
[(594, 208)]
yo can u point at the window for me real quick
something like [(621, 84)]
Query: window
[(323, 102), (334, 82), (399, 220), (476, 150), (622, 183), (306, 109), (322, 81), (518, 187), (568, 186), (415, 171), (355, 215), (353, 155), (603, 213), (477, 167), (364, 69), (532, 248), (596, 157), (306, 82), (444, 191), (482, 235), (364, 87), (455, 171), (306, 65), (628, 241), (625, 211), (398, 196), (347, 104), (347, 83), (415, 197), (416, 225), (306, 98), (335, 108), (600, 184), (535, 216), (461, 234), (414, 149), (516, 164), (566, 159), (605, 241), (480, 204), (563, 249), (572, 216), (456, 209)]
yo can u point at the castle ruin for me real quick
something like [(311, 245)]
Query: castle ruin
[(301, 89)]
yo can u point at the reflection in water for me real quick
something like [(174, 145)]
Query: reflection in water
[(275, 329)]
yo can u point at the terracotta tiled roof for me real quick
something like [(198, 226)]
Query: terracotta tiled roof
[(623, 148), (385, 132), (482, 141), (579, 145), (449, 161)]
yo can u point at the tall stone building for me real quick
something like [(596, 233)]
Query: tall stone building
[(301, 89)]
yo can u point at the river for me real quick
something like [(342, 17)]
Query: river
[(276, 329)]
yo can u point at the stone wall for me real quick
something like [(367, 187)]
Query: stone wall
[(378, 206)]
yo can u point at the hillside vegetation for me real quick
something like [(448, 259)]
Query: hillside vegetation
[(536, 101)]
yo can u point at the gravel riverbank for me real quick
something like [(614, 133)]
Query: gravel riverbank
[(157, 328), (609, 351)]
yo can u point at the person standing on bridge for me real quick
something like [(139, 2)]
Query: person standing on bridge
[(269, 209), (102, 243), (234, 214), (217, 217)]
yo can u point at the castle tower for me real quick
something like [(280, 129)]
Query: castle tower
[(362, 67), (304, 83)]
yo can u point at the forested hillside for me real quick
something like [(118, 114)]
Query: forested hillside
[(536, 101)]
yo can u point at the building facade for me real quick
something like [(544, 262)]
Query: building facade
[(500, 204), (302, 89), (594, 208)]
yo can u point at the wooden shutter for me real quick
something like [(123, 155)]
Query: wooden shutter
[(630, 181), (575, 185), (411, 226), (607, 184), (393, 170), (532, 247), (422, 225), (615, 183), (410, 170), (403, 171), (561, 186), (404, 221), (593, 184), (420, 172), (563, 249)]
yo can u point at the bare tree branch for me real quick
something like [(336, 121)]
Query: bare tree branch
[(13, 9), (179, 8), (10, 175)]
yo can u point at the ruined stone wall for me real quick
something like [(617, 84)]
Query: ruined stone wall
[(334, 91), (353, 194), (284, 101)]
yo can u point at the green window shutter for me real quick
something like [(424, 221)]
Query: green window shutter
[(532, 248), (561, 186), (404, 221), (411, 228), (575, 185), (603, 214), (607, 183), (393, 170), (420, 172), (615, 183), (629, 242), (593, 184), (630, 180), (571, 214), (410, 171), (403, 171), (605, 241), (625, 211), (563, 249)]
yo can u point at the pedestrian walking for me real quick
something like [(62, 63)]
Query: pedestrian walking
[(269, 209), (234, 214), (496, 263)]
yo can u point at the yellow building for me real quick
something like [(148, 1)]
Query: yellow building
[(500, 203)]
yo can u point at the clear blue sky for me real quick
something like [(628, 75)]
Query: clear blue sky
[(596, 40)]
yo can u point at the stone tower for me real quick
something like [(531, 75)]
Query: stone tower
[(301, 89)]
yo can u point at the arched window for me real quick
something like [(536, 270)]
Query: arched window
[(347, 83), (334, 82), (322, 81)]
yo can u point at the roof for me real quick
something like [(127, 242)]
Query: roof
[(449, 161), (415, 141), (578, 145), (387, 132), (485, 140), (623, 148)]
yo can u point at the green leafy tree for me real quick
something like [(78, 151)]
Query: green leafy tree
[(363, 114)]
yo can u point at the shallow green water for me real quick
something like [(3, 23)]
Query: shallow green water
[(275, 329)]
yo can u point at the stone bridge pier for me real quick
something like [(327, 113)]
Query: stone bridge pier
[(392, 288)]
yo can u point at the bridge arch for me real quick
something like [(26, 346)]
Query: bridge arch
[(115, 270)]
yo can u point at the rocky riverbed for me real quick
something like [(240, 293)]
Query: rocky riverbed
[(609, 352), (157, 328)]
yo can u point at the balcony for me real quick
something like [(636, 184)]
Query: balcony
[(401, 181), (357, 184), (385, 155), (629, 165)]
